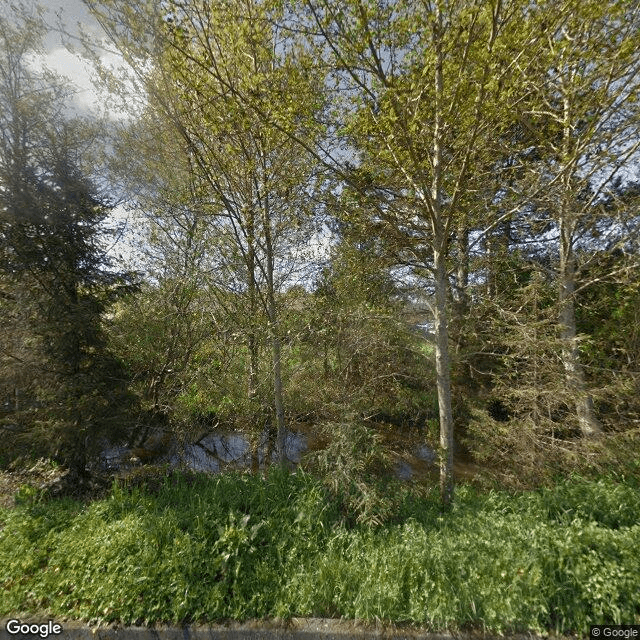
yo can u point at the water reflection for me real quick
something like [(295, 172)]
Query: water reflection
[(217, 451), (211, 453)]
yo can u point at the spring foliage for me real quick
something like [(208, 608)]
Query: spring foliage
[(189, 548)]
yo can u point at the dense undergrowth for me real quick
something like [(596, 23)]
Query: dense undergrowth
[(196, 548)]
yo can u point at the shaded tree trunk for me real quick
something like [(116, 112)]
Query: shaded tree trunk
[(274, 335), (252, 343), (461, 297), (589, 424)]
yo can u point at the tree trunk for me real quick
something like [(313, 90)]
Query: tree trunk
[(252, 343), (443, 373), (461, 297), (497, 244), (589, 424), (274, 336), (277, 394), (440, 246)]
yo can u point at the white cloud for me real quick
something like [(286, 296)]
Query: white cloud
[(76, 70), (88, 97)]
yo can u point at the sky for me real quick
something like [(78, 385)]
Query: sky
[(86, 100), (57, 57), (71, 12)]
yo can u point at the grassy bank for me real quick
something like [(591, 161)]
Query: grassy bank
[(237, 546)]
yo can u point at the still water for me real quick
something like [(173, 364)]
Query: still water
[(218, 451)]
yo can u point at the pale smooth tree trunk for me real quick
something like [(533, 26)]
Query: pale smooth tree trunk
[(440, 243), (589, 424), (443, 379)]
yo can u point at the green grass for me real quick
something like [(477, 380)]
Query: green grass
[(237, 546)]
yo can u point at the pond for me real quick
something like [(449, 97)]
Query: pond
[(218, 451)]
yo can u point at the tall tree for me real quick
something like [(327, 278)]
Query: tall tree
[(583, 118), (51, 224), (430, 86), (249, 178)]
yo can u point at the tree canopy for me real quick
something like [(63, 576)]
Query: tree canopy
[(378, 221)]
